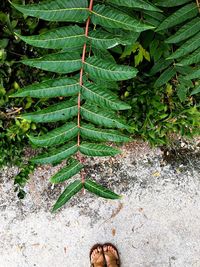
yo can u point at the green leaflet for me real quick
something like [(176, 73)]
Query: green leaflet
[(182, 92), (95, 150), (59, 38), (51, 88), (59, 10), (188, 47), (61, 111), (195, 91), (99, 190), (56, 155), (194, 75), (93, 133), (58, 62), (102, 118), (171, 3), (57, 136), (102, 97), (183, 14), (105, 40), (113, 18), (141, 4), (160, 65), (102, 69), (190, 59), (165, 77), (188, 30), (69, 192), (67, 172)]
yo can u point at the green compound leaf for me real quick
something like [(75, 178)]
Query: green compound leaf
[(185, 32), (102, 69), (56, 155), (141, 4), (69, 192), (171, 3), (58, 62), (99, 190), (188, 47), (59, 10), (56, 137), (93, 133), (190, 59), (102, 97), (165, 77), (51, 88), (113, 18), (60, 38), (95, 150), (67, 172), (61, 111), (183, 14), (102, 118)]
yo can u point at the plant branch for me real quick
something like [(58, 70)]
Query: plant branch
[(198, 5), (81, 83)]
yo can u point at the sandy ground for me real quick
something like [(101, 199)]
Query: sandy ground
[(156, 224)]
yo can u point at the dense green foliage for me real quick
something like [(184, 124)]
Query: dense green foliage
[(160, 39)]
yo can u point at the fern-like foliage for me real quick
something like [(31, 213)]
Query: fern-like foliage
[(89, 111), (178, 28)]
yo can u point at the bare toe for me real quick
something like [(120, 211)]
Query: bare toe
[(97, 257), (111, 255)]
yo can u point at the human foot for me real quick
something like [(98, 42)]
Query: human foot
[(111, 255), (97, 257)]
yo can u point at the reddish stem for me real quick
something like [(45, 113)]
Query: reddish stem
[(81, 83)]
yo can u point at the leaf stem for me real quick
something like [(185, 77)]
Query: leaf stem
[(81, 83)]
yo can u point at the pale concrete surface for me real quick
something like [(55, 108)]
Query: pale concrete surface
[(156, 224)]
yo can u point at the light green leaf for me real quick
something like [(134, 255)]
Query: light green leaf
[(194, 75), (57, 136), (171, 3), (73, 167), (99, 190), (141, 4), (165, 77), (102, 97), (102, 118), (60, 38), (51, 88), (180, 16), (93, 133), (102, 69), (58, 62), (195, 91), (188, 47), (190, 59), (59, 10), (61, 111), (69, 192), (56, 155), (97, 150), (113, 18), (185, 32)]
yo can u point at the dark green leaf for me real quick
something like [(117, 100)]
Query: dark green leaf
[(99, 190), (67, 172), (69, 192)]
